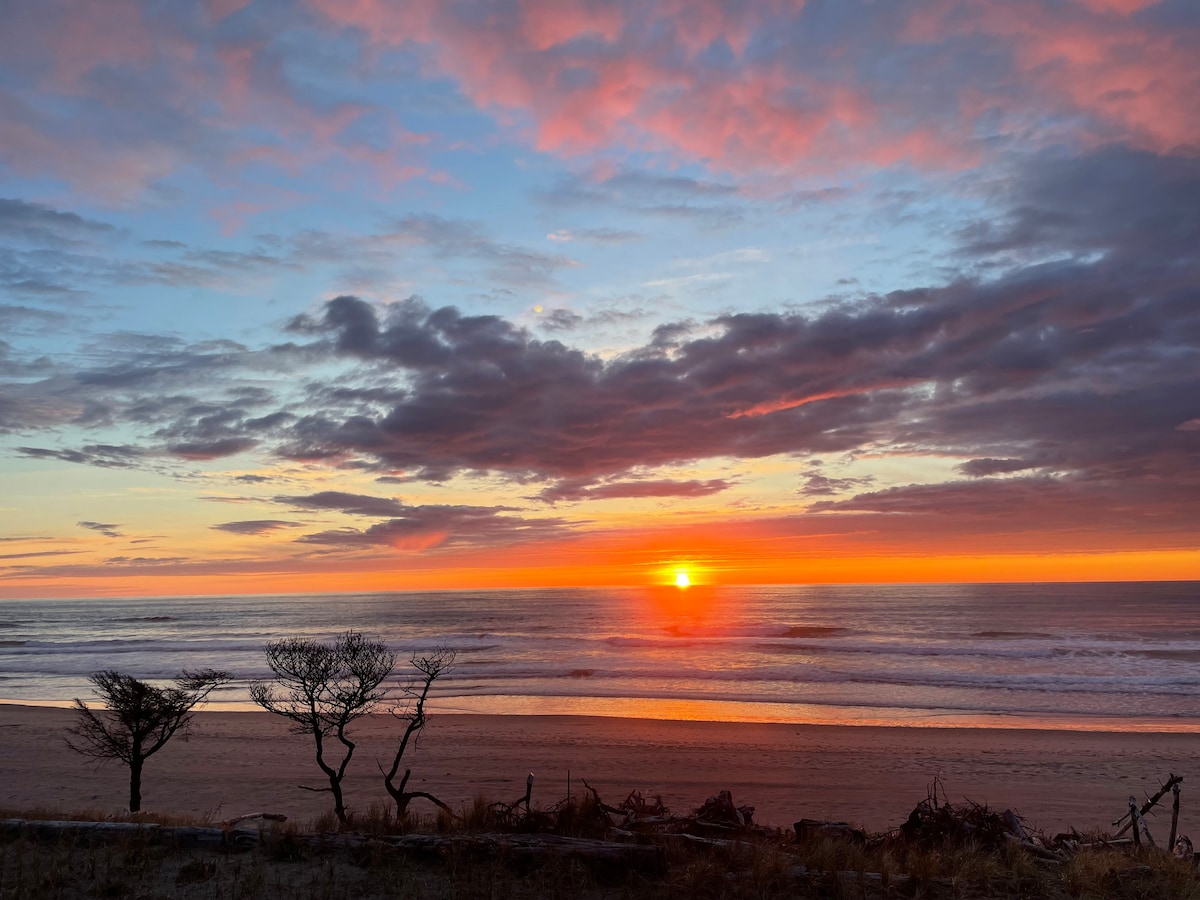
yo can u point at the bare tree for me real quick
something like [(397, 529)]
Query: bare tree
[(139, 718), (322, 688), (432, 667)]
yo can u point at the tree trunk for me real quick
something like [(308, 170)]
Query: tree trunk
[(335, 780), (339, 807), (397, 793), (135, 784)]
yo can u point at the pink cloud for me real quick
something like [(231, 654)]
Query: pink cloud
[(1137, 82), (112, 99), (82, 39), (549, 24), (1121, 7), (585, 79), (770, 88), (588, 78), (234, 215), (223, 9)]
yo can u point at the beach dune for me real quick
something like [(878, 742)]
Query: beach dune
[(234, 763)]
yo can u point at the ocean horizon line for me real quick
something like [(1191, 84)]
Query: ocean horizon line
[(698, 586)]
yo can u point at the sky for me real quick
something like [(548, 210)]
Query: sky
[(341, 295)]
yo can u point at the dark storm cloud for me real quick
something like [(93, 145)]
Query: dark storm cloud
[(254, 526), (424, 527)]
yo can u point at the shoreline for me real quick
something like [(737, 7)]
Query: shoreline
[(804, 715), (239, 762)]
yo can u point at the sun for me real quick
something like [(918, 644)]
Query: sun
[(682, 579)]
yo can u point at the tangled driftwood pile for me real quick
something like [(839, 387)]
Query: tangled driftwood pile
[(936, 823), (635, 834)]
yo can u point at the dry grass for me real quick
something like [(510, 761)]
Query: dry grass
[(766, 867)]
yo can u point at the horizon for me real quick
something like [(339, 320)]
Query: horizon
[(664, 588), (303, 296)]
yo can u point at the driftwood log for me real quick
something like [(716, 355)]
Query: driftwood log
[(811, 828), (1171, 782), (99, 832), (1174, 818)]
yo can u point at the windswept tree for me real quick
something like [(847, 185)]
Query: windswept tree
[(138, 718), (321, 688), (412, 712)]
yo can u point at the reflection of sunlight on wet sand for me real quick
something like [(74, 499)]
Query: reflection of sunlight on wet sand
[(793, 714)]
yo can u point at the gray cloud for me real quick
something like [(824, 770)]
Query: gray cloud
[(982, 468), (38, 553), (709, 203), (560, 320), (214, 449), (255, 526), (106, 456), (38, 224), (586, 489), (1075, 357), (351, 504), (457, 238), (431, 526), (819, 484), (108, 529)]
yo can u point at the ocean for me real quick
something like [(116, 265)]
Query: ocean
[(1118, 657)]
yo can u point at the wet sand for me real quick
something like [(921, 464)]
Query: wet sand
[(243, 762)]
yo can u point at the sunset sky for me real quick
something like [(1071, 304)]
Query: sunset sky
[(360, 295)]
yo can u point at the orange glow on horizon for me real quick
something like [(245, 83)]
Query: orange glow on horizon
[(617, 569)]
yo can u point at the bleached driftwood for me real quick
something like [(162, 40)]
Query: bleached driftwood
[(1174, 818), (1171, 782)]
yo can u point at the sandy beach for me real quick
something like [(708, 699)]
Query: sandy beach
[(235, 763)]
